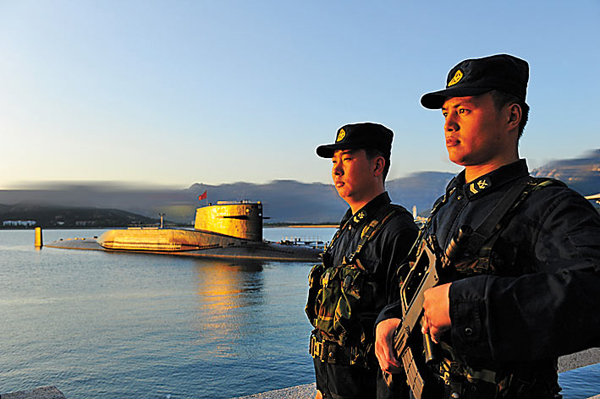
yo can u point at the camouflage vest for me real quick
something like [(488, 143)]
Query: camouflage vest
[(341, 296)]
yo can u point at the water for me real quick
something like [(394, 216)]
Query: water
[(581, 383), (105, 325)]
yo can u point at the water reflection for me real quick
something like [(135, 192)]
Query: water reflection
[(222, 284), (228, 294)]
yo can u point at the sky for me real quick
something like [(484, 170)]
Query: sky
[(172, 93)]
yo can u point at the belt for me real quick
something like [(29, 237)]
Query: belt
[(333, 353), (449, 368), (325, 351)]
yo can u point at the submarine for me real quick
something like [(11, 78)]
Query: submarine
[(228, 229)]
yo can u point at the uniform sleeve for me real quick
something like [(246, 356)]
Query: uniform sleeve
[(403, 234), (400, 239), (549, 312), (391, 311)]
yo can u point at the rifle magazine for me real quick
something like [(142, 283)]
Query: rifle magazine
[(413, 377)]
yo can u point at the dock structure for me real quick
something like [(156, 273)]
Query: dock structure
[(308, 391), (50, 392)]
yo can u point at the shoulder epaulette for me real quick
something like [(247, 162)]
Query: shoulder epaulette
[(507, 206), (541, 182), (534, 184)]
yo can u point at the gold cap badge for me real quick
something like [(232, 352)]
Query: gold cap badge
[(457, 77), (340, 136)]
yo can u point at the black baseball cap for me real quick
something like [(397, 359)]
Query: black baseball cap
[(359, 136), (477, 76)]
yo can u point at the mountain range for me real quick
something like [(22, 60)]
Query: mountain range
[(285, 201)]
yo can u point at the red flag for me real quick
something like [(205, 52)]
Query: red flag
[(202, 196)]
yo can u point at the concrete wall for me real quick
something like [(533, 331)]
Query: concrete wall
[(39, 393), (308, 391)]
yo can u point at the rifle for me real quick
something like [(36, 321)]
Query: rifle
[(424, 274)]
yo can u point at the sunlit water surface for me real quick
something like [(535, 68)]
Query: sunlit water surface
[(106, 325)]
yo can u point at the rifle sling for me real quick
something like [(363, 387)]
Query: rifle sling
[(487, 227), (371, 230)]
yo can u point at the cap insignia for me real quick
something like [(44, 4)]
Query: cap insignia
[(340, 136), (457, 77)]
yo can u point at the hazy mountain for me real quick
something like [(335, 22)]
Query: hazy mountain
[(581, 174), (284, 200), (419, 189), (59, 216)]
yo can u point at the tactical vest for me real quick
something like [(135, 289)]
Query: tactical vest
[(342, 297), (478, 257)]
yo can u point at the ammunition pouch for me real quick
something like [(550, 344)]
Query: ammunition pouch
[(333, 353), (527, 382), (472, 384), (473, 267), (314, 286), (343, 302), (338, 301)]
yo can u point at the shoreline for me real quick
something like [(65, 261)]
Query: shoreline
[(266, 226), (306, 226), (308, 391)]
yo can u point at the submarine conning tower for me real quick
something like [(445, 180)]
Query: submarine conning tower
[(240, 219)]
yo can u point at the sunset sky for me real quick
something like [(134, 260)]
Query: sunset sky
[(171, 93)]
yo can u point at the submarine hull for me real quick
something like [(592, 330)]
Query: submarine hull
[(229, 229), (193, 243)]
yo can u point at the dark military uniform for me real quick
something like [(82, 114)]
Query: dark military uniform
[(530, 295), (336, 376)]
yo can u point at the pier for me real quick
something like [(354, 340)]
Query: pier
[(308, 391), (50, 392)]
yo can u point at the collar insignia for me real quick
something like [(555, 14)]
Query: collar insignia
[(479, 185), (457, 77), (340, 136), (359, 216)]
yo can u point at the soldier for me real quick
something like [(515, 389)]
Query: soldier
[(351, 286), (524, 292)]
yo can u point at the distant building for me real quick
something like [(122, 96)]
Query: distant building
[(19, 223), (85, 223)]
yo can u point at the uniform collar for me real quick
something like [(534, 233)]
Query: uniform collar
[(495, 178), (366, 211)]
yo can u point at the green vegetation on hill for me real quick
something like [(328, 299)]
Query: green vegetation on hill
[(69, 217)]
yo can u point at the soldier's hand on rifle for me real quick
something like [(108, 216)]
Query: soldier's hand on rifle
[(384, 346), (436, 308)]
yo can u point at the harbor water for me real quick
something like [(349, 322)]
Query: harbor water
[(106, 325)]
